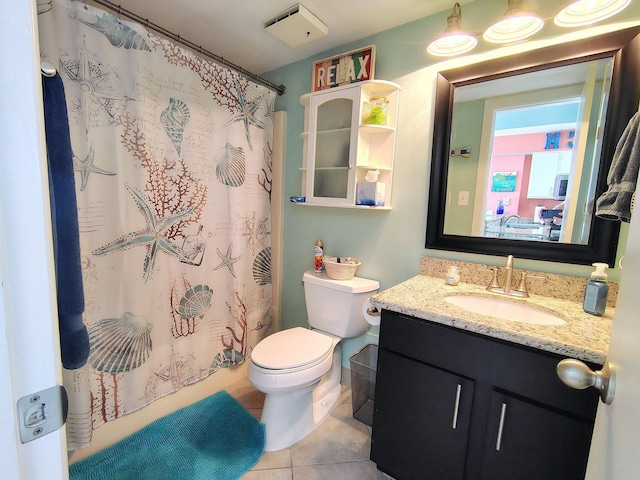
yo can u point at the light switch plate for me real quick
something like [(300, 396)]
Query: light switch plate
[(463, 197)]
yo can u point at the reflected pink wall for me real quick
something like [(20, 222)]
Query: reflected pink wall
[(512, 153)]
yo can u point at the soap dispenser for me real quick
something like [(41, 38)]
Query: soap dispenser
[(596, 291)]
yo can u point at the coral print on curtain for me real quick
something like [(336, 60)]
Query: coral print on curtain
[(172, 160)]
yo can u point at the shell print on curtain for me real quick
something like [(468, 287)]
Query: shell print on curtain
[(172, 157)]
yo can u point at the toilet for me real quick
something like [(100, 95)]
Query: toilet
[(299, 369)]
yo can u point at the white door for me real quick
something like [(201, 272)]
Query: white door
[(29, 346), (614, 449)]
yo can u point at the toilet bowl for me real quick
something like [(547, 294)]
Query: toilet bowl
[(299, 369)]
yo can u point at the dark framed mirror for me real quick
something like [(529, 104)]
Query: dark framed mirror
[(532, 209)]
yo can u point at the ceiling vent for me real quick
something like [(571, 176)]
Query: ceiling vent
[(296, 26)]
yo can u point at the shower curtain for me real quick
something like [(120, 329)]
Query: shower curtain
[(172, 163)]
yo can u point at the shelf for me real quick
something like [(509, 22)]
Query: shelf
[(374, 167), (361, 167), (331, 168), (367, 128), (334, 130), (373, 88), (372, 128), (334, 205), (327, 139)]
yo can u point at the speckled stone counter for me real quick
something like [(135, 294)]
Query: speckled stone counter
[(584, 336)]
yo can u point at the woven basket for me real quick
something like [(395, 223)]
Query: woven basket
[(341, 271)]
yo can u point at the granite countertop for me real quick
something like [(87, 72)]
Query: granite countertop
[(584, 336)]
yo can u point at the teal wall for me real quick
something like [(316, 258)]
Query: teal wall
[(463, 171), (391, 243)]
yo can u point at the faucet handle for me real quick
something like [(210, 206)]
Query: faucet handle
[(494, 280), (522, 288)]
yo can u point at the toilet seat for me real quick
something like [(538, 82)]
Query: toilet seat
[(292, 350)]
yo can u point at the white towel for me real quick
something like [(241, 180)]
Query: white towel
[(615, 203)]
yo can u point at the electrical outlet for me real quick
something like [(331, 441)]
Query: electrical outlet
[(463, 197)]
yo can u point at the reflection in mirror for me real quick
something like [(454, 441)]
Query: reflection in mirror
[(522, 146), (537, 157)]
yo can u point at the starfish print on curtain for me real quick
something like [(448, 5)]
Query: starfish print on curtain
[(247, 113), (86, 167), (153, 237), (227, 260)]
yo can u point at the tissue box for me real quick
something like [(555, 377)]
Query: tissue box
[(370, 193)]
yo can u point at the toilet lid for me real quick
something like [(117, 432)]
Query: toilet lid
[(291, 348)]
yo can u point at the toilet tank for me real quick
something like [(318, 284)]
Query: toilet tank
[(335, 306)]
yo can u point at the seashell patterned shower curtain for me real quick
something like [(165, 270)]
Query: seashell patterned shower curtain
[(172, 160)]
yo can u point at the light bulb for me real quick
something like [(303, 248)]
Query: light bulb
[(586, 12)]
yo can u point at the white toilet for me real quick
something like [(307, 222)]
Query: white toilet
[(299, 369)]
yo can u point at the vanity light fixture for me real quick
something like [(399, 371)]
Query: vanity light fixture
[(519, 24), (454, 40), (516, 25), (586, 12)]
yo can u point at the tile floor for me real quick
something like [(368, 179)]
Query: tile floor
[(337, 449)]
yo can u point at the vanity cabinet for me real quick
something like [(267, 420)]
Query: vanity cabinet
[(452, 405), (340, 147)]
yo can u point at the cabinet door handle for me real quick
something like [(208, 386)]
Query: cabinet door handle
[(454, 423), (503, 411)]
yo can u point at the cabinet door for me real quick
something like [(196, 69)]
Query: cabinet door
[(526, 441), (545, 167), (421, 420), (333, 128)]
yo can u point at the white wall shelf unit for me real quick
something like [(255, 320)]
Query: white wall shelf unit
[(340, 149)]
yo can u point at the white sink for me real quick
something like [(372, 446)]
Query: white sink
[(505, 309)]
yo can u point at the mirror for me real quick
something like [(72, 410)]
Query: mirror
[(522, 146)]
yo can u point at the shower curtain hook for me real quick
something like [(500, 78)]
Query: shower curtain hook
[(119, 14), (86, 7)]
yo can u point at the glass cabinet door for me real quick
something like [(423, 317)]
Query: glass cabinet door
[(336, 122)]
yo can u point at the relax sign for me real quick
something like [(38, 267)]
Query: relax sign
[(343, 69)]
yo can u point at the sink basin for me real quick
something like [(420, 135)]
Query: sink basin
[(505, 309)]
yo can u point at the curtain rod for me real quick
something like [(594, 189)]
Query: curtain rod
[(181, 41)]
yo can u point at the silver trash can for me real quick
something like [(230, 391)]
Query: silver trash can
[(363, 382)]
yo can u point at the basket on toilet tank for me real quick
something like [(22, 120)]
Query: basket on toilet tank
[(345, 269)]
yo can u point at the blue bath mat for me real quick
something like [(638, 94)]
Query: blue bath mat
[(214, 439)]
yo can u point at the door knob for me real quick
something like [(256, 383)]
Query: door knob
[(576, 374)]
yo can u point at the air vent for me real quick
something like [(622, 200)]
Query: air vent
[(296, 26)]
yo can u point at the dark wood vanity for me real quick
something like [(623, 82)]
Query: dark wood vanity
[(452, 404)]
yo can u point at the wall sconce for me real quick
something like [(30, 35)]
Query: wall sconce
[(454, 41), (516, 25), (586, 12), (519, 24)]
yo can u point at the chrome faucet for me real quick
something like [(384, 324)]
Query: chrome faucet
[(506, 218)]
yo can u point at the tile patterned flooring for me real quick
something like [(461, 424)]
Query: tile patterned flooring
[(337, 449)]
